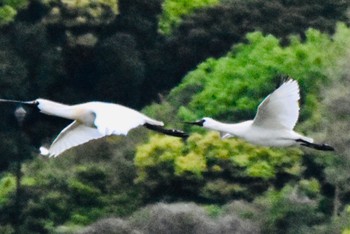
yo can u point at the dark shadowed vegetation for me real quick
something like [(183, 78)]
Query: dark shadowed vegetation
[(176, 61)]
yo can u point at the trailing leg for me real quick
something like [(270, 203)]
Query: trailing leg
[(323, 147), (170, 132)]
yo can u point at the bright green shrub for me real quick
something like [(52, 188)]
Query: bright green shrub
[(9, 9), (7, 14), (7, 186), (216, 166), (173, 10)]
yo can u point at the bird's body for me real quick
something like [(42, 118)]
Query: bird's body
[(257, 135), (273, 124), (107, 118), (93, 120)]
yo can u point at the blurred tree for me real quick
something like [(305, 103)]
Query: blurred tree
[(210, 32), (230, 88), (72, 190), (74, 51), (120, 69), (288, 211), (9, 9), (211, 169), (337, 126), (174, 10)]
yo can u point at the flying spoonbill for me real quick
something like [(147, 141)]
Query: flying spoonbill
[(273, 123), (93, 120)]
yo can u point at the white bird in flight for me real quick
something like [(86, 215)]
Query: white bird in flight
[(273, 123), (93, 120)]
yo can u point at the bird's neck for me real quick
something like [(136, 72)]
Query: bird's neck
[(237, 129), (57, 109)]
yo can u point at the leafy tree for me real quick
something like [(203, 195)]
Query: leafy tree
[(288, 211), (230, 88), (210, 32), (211, 169), (174, 10), (90, 183), (336, 130), (9, 9)]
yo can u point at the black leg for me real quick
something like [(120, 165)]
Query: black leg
[(170, 132), (323, 147)]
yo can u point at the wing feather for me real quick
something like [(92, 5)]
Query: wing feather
[(73, 135), (109, 119), (280, 110), (119, 120)]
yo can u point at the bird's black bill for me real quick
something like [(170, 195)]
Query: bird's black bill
[(170, 132), (198, 123), (34, 103)]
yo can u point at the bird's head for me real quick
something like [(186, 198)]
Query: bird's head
[(204, 122)]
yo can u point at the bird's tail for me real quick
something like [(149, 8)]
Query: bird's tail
[(310, 144)]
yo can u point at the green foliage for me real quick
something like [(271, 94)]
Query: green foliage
[(230, 88), (211, 163), (7, 229), (108, 50), (162, 154), (211, 32), (173, 10), (9, 9), (311, 188), (235, 84), (77, 189), (336, 106), (287, 211), (7, 14), (7, 187)]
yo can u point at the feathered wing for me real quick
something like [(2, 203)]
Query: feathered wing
[(281, 108), (109, 119), (225, 135), (119, 120), (73, 135)]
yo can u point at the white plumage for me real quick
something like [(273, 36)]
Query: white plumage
[(273, 124), (93, 120)]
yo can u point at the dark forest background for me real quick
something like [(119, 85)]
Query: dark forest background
[(174, 60)]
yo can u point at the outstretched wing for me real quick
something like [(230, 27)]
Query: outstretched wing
[(280, 110), (109, 119), (119, 120), (73, 135)]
